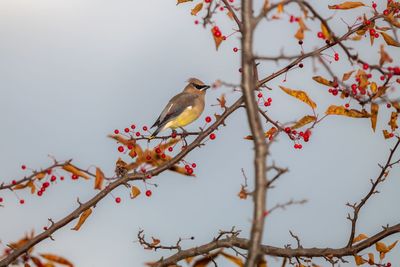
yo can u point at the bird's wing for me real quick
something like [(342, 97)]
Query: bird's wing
[(175, 106)]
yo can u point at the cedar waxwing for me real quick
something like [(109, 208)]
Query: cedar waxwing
[(184, 108)]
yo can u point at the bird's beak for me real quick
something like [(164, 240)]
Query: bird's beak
[(205, 87)]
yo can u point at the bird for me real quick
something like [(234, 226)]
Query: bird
[(182, 109)]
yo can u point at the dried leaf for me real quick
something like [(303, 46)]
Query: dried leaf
[(189, 260), (243, 193), (340, 110), (386, 134), (82, 219), (359, 260), (236, 260), (371, 260), (347, 75), (204, 261), (374, 115), (389, 40), (268, 134), (301, 95), (155, 241), (381, 91), (303, 121), (359, 238), (197, 9), (299, 34), (72, 169), (325, 32), (323, 81), (134, 192), (217, 39), (183, 1), (381, 247), (98, 182), (393, 121), (347, 5), (40, 175), (57, 259), (222, 101), (384, 56), (36, 261)]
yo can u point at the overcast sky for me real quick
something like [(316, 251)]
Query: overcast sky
[(73, 71)]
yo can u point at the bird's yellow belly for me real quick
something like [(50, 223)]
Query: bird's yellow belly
[(187, 117)]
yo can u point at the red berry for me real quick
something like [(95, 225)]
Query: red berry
[(321, 35), (266, 103), (372, 31), (174, 134), (212, 136), (121, 149), (148, 193), (217, 33), (374, 5), (301, 65), (14, 182), (126, 130), (388, 264), (137, 134), (116, 131), (388, 105), (189, 171), (130, 147), (62, 178), (144, 128), (118, 199), (23, 167), (367, 22), (269, 99), (163, 156), (335, 92), (398, 80), (382, 78), (1, 199), (21, 201), (194, 165), (259, 95), (74, 177), (347, 105), (221, 8), (294, 132), (288, 130), (235, 49), (170, 149), (158, 150), (376, 35), (40, 193), (148, 157), (196, 22), (208, 119), (365, 66), (207, 1), (187, 166), (46, 184), (133, 126), (48, 171), (354, 86), (53, 178), (386, 12)]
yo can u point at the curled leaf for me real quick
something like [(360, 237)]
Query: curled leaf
[(384, 56), (300, 95), (196, 9), (134, 192), (347, 75), (323, 81), (347, 5), (183, 1), (389, 40), (340, 110), (304, 121), (359, 260), (98, 182), (57, 259), (72, 169), (82, 219), (325, 32), (374, 115)]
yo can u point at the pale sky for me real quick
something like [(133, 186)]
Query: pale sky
[(73, 71)]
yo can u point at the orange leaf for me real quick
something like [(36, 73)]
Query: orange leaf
[(347, 75), (300, 95), (197, 9), (325, 32), (374, 87), (374, 115), (243, 193), (384, 56), (346, 5), (40, 175), (134, 192), (393, 121), (359, 238), (98, 182), (155, 241), (359, 260), (371, 260), (386, 134), (218, 40), (222, 101), (82, 219), (323, 81), (189, 260), (36, 261), (183, 1), (340, 110), (122, 140), (236, 260), (203, 262), (389, 40), (304, 121), (72, 169), (57, 259), (381, 247)]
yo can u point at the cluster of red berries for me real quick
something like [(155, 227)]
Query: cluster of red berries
[(336, 57), (268, 102), (217, 33), (293, 19), (189, 168), (298, 135), (333, 91)]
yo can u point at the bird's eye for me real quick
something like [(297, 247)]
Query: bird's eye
[(198, 86)]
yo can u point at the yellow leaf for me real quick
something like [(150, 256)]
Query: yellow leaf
[(57, 259), (280, 8), (236, 260), (325, 32), (183, 1), (323, 81), (82, 219), (72, 169), (359, 260), (40, 175), (218, 40), (392, 246), (389, 40), (134, 192), (197, 9), (374, 115), (340, 110), (300, 95), (347, 75), (374, 87), (359, 238), (381, 247), (299, 34), (98, 182), (346, 5), (393, 121), (304, 121)]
